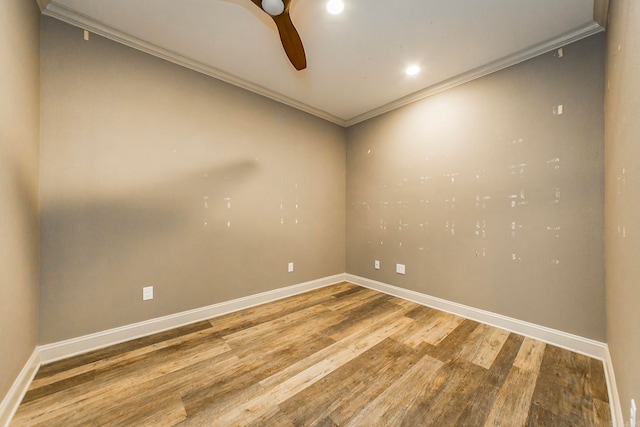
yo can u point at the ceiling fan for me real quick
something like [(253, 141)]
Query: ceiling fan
[(291, 42)]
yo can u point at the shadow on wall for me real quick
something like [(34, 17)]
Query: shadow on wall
[(93, 246), (19, 215), (26, 195)]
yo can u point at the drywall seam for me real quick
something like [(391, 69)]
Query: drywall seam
[(11, 401), (561, 339), (63, 349), (614, 398)]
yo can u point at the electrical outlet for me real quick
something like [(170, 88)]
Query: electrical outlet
[(633, 420), (147, 293), (376, 265), (290, 267), (400, 268)]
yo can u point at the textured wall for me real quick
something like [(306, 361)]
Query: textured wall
[(622, 142), (153, 174), (19, 138), (489, 196)]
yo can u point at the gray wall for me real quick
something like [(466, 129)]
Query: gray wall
[(19, 139), (622, 142), (488, 196), (153, 174)]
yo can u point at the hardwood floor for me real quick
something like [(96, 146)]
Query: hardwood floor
[(338, 356)]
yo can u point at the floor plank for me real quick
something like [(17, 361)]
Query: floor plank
[(563, 386), (344, 386), (438, 402), (389, 407), (483, 345), (341, 355), (530, 355), (513, 402), (479, 405)]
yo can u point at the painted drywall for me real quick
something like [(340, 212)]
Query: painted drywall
[(19, 140), (622, 189), (488, 195), (155, 175)]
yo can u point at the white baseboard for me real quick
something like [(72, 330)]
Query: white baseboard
[(75, 346), (9, 405), (614, 398), (588, 347), (60, 350), (565, 340)]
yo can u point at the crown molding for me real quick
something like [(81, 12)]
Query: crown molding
[(43, 4), (492, 67), (63, 14), (70, 17)]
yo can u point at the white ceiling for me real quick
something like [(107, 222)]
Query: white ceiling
[(356, 60)]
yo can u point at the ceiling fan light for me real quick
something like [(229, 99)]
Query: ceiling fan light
[(335, 7), (273, 7)]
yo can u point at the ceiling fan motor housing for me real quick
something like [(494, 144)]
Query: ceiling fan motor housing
[(273, 7)]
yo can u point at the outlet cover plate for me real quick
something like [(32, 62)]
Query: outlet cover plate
[(400, 269), (147, 293)]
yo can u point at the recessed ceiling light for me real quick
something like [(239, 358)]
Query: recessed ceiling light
[(412, 70), (335, 7)]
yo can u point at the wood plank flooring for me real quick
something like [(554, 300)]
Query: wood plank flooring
[(338, 356)]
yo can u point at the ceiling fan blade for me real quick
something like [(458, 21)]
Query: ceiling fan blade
[(291, 40), (289, 36)]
